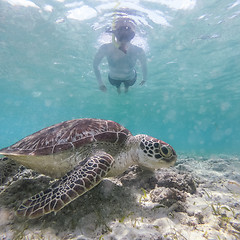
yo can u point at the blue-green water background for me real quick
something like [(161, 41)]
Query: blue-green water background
[(191, 100)]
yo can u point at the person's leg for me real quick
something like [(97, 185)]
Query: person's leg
[(129, 83), (119, 90), (115, 83)]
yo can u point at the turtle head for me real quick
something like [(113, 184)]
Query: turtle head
[(154, 153)]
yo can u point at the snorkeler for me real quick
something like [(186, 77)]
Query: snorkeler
[(122, 57)]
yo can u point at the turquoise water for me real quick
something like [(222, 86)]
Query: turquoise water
[(191, 99)]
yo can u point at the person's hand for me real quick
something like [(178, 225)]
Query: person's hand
[(103, 88), (142, 82)]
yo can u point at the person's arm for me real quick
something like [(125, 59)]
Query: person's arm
[(143, 61), (97, 60)]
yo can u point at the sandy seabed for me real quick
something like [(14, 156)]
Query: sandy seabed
[(199, 198)]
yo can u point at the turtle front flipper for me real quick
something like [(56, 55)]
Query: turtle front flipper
[(74, 184)]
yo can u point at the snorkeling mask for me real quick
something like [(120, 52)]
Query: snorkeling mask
[(124, 34)]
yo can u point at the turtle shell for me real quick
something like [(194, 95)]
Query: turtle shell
[(68, 135)]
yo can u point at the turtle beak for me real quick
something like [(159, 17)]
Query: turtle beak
[(172, 160)]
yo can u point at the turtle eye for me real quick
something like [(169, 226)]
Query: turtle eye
[(166, 151)]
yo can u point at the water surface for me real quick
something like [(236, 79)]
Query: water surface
[(191, 99)]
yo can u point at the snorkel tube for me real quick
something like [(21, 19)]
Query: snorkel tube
[(114, 28)]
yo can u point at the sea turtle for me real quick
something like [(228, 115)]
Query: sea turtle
[(81, 153)]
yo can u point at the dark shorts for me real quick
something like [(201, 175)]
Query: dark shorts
[(127, 83)]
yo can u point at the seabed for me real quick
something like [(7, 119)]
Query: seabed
[(199, 198)]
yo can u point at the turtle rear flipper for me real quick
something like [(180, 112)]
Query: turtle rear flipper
[(74, 184)]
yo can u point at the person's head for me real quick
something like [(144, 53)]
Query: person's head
[(124, 29)]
